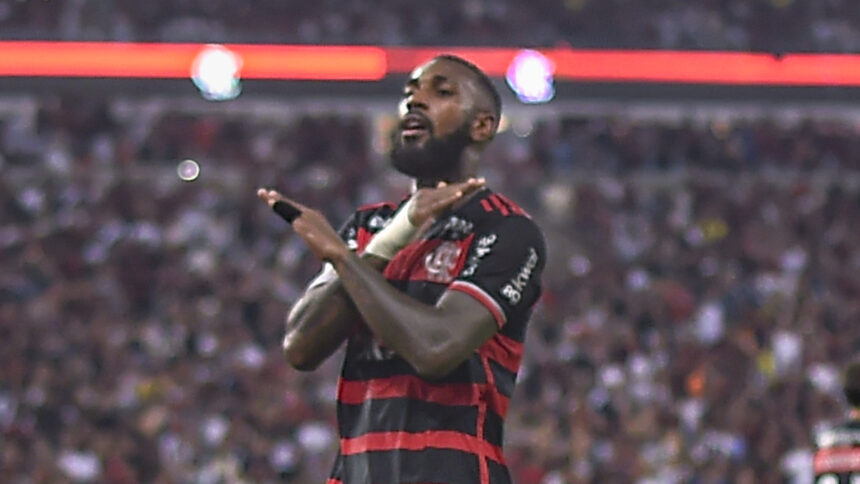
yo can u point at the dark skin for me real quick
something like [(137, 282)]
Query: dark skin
[(449, 95)]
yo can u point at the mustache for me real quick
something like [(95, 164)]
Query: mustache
[(425, 120)]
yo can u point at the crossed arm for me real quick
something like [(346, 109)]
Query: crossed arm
[(422, 334)]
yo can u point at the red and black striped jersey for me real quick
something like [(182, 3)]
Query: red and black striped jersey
[(397, 427), (837, 454)]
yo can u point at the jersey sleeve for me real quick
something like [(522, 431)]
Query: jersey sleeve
[(357, 231), (503, 268), (349, 233), (349, 230)]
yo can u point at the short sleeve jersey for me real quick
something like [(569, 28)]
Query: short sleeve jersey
[(397, 427), (837, 454)]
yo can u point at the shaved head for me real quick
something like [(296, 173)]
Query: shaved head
[(490, 98)]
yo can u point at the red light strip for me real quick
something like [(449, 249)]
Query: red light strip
[(709, 67), (95, 59)]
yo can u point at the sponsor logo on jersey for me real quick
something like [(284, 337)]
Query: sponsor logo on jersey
[(377, 222), (457, 228), (513, 290), (483, 247)]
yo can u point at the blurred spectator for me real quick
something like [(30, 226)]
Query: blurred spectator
[(803, 25), (694, 320)]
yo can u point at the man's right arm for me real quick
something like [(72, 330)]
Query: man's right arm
[(321, 319), (325, 315)]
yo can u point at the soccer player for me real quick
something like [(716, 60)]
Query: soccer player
[(432, 295), (837, 458)]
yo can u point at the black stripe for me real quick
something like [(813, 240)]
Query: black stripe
[(470, 371), (494, 429), (515, 327), (438, 466), (505, 379), (424, 291), (498, 473), (396, 414), (337, 468)]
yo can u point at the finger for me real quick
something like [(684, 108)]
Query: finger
[(286, 210), (448, 200), (264, 195), (471, 183), (463, 188), (269, 196), (272, 196)]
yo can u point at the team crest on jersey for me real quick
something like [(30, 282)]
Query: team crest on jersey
[(442, 262)]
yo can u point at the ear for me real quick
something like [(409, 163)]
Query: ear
[(483, 127)]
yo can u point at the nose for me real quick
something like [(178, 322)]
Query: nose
[(416, 101)]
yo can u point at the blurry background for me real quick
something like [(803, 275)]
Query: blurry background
[(704, 284)]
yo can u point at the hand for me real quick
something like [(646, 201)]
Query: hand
[(430, 202), (312, 227)]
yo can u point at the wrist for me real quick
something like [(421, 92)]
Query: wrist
[(395, 236), (340, 256)]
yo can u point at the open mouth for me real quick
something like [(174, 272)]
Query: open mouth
[(414, 127)]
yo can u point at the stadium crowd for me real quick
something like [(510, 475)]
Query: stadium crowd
[(705, 288), (761, 25)]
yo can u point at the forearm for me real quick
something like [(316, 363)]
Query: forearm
[(414, 330), (321, 320)]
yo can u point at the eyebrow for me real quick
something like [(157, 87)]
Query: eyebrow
[(437, 79)]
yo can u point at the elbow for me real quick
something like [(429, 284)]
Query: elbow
[(435, 363), (301, 363), (298, 357)]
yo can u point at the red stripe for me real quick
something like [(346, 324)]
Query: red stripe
[(362, 238), (401, 265), (513, 206), (482, 417), (438, 439), (333, 481), (413, 266), (482, 297), (837, 459), (355, 392), (374, 206), (505, 351), (498, 204), (486, 205)]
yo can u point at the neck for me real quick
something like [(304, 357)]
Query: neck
[(854, 414), (465, 169)]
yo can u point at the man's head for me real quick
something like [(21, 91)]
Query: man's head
[(852, 383), (448, 105)]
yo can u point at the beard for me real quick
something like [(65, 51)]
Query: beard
[(433, 160)]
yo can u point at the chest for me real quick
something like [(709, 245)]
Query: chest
[(437, 257)]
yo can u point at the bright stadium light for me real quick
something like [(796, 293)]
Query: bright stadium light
[(215, 72), (530, 76), (188, 170)]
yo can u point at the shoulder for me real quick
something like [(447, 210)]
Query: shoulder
[(842, 434), (373, 216), (499, 215)]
